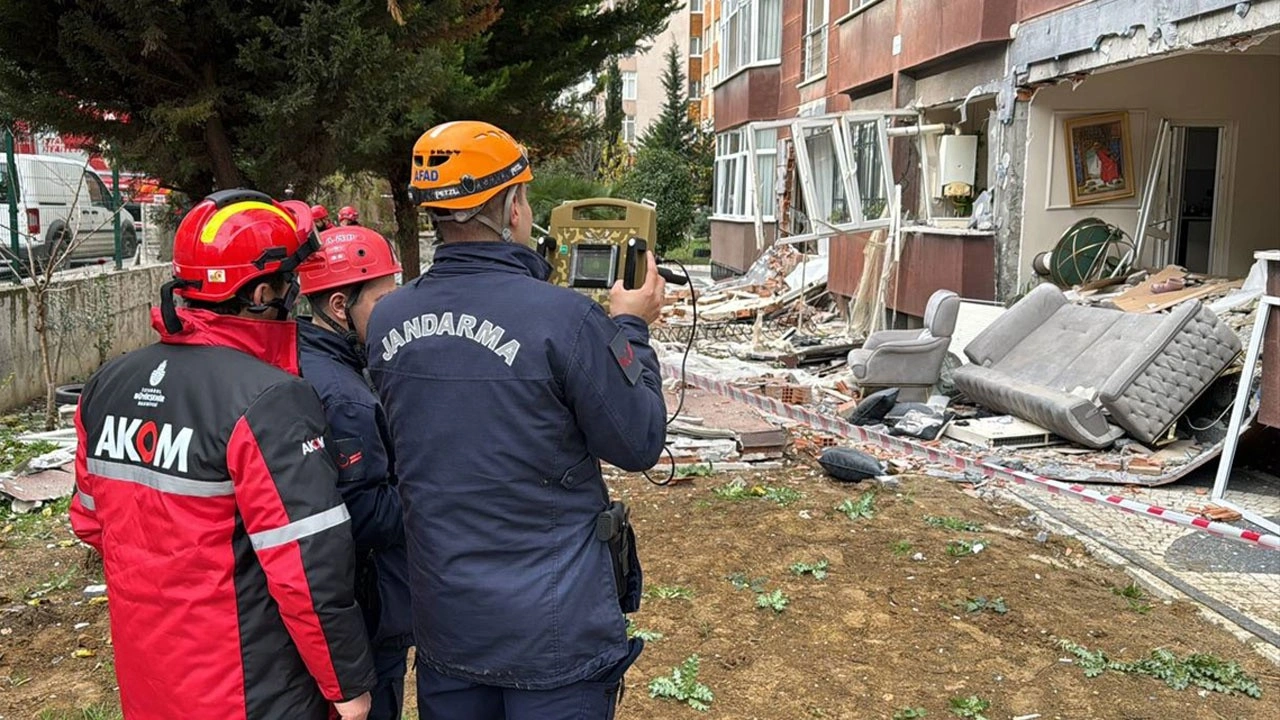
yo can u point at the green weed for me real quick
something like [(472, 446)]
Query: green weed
[(682, 686)]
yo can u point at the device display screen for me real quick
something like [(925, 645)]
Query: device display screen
[(594, 266)]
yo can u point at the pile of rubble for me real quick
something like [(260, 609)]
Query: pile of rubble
[(776, 332)]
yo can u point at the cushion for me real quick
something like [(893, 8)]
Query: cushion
[(849, 465), (874, 407)]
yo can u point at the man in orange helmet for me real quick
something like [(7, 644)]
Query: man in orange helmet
[(354, 269), (203, 477), (504, 393)]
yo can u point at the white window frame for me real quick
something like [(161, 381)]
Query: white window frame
[(634, 78), (695, 6), (813, 62), (841, 127), (742, 183), (882, 145), (629, 129), (695, 89), (695, 46), (741, 51)]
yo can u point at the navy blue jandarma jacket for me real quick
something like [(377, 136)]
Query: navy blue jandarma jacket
[(366, 478), (504, 393)]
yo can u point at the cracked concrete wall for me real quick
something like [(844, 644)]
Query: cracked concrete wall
[(1007, 164), (1106, 32), (94, 314)]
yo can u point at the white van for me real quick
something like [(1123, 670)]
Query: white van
[(60, 198)]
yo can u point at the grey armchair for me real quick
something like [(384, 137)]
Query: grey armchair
[(910, 360)]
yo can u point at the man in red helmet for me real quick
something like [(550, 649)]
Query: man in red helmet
[(355, 268), (348, 216), (203, 476), (320, 216)]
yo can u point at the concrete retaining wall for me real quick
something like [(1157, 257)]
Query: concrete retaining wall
[(95, 314)]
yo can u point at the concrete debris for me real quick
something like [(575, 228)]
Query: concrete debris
[(94, 591), (28, 491)]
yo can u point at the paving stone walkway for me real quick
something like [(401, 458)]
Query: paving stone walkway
[(1229, 575)]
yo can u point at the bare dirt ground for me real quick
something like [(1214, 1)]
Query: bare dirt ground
[(880, 633)]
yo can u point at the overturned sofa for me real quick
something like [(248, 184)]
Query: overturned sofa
[(1092, 374)]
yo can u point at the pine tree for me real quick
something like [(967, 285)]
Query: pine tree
[(612, 104), (674, 129)]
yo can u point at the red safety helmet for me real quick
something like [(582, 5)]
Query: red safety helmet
[(348, 213), (348, 256), (319, 214), (234, 236)]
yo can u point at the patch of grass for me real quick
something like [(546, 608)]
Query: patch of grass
[(863, 507), (738, 490), (970, 707), (783, 496), (59, 581), (961, 548), (818, 570), (682, 686), (668, 592), (649, 636), (14, 453), (691, 471), (902, 548), (93, 712), (951, 523), (1135, 597), (1199, 669), (909, 713), (980, 603), (42, 524), (776, 601)]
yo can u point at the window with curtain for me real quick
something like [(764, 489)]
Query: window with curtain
[(629, 128), (733, 197), (829, 203), (629, 81), (751, 32), (814, 59)]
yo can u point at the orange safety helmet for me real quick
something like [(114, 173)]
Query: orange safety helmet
[(348, 256), (231, 238), (461, 165)]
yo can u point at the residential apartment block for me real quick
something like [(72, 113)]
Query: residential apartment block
[(828, 111), (643, 94)]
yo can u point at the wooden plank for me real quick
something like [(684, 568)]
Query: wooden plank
[(1141, 299)]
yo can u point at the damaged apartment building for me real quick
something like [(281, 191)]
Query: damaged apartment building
[(996, 121), (1093, 165)]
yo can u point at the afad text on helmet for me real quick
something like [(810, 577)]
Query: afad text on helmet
[(430, 324)]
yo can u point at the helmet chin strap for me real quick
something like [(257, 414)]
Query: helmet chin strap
[(281, 305), (347, 328), (503, 232)]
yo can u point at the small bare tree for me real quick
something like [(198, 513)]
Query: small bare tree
[(41, 268)]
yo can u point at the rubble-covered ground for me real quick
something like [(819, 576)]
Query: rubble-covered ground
[(895, 622)]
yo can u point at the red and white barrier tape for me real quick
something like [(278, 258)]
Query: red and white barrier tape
[(839, 427)]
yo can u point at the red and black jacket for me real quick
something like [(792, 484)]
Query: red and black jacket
[(203, 478)]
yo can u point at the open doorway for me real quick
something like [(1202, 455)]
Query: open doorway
[(1196, 155)]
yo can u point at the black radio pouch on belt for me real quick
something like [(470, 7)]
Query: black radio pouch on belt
[(613, 526)]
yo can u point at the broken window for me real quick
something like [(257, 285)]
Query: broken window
[(867, 156)]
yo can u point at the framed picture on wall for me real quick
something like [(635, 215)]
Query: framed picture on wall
[(1100, 165)]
